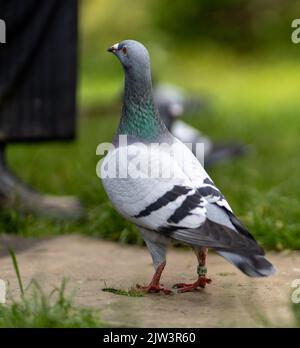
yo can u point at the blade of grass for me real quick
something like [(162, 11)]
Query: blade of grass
[(16, 268)]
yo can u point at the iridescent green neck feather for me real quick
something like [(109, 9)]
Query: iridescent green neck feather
[(139, 116)]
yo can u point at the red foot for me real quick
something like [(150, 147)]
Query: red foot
[(201, 282), (154, 289)]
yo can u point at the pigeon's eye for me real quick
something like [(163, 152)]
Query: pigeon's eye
[(124, 50)]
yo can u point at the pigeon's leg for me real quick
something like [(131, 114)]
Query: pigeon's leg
[(157, 249), (154, 285), (201, 270)]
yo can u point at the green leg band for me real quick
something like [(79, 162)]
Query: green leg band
[(202, 271)]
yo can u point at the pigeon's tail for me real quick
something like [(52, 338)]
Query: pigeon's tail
[(251, 265)]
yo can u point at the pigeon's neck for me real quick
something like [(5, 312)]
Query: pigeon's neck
[(139, 118)]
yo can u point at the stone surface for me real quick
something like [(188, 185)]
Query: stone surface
[(232, 300)]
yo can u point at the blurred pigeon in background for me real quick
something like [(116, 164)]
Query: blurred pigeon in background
[(172, 104), (182, 206)]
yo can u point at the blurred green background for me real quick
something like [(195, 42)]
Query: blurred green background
[(237, 53)]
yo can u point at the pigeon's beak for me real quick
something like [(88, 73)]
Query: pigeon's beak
[(113, 48)]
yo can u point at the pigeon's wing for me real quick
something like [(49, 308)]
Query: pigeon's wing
[(218, 212), (199, 177), (220, 233), (222, 230), (156, 194), (236, 248)]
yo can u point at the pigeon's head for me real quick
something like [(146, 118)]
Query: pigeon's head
[(132, 55)]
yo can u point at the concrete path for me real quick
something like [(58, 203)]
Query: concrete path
[(232, 300)]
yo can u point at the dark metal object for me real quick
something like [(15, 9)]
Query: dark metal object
[(37, 92), (38, 70)]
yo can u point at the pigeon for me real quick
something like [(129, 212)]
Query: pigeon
[(172, 199), (172, 103)]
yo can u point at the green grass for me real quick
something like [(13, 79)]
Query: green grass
[(296, 310), (38, 310), (130, 293), (262, 188), (35, 309)]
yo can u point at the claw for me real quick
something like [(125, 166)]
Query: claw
[(180, 285), (154, 289), (199, 283)]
